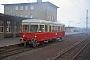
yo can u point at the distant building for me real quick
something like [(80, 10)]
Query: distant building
[(70, 29), (38, 10)]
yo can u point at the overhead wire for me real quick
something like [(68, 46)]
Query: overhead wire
[(80, 4), (28, 1), (83, 8), (79, 10), (76, 6)]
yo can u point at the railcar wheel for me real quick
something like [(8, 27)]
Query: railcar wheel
[(42, 43), (61, 39)]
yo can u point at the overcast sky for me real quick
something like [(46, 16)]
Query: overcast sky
[(70, 10)]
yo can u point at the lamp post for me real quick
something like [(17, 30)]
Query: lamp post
[(69, 23)]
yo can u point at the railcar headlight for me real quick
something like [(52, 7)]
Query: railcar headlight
[(35, 36), (55, 33), (23, 35)]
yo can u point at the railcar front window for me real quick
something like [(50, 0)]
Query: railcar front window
[(26, 28), (34, 28)]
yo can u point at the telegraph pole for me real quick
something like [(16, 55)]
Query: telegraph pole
[(86, 21)]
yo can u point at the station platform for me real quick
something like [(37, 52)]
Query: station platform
[(16, 40), (9, 41)]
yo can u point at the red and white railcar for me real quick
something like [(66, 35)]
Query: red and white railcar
[(35, 31)]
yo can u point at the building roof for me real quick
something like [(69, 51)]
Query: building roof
[(69, 27), (40, 21), (10, 17), (32, 3)]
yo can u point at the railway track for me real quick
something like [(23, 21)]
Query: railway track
[(13, 52), (72, 52), (80, 51), (7, 53)]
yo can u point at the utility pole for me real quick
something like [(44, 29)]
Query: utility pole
[(69, 23), (86, 21)]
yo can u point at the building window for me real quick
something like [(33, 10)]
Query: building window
[(15, 27), (26, 7), (21, 7), (16, 7), (26, 16), (1, 26), (31, 7), (31, 16), (21, 15), (8, 26)]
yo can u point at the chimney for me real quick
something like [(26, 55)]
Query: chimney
[(39, 1)]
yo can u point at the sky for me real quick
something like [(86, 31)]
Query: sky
[(71, 12)]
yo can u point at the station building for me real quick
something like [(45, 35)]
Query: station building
[(10, 21), (10, 26), (39, 10)]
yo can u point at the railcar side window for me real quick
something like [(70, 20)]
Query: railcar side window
[(52, 28), (58, 28), (42, 28), (46, 28), (55, 28), (61, 28)]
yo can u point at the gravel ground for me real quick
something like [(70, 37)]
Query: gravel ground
[(72, 52), (85, 54), (47, 52)]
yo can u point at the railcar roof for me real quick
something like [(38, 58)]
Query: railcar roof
[(39, 21)]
